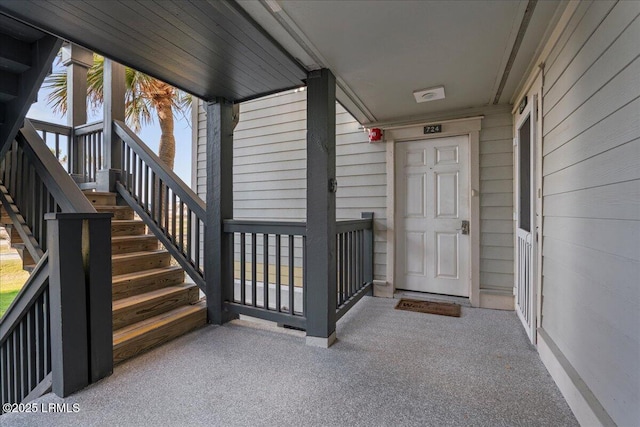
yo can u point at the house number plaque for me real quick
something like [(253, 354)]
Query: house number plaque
[(433, 129)]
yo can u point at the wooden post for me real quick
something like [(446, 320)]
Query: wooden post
[(78, 60), (80, 295), (320, 274), (113, 105), (218, 246)]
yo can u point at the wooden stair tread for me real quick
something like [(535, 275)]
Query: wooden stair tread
[(99, 193), (125, 303), (120, 257), (112, 208), (151, 323), (144, 274), (132, 340), (126, 221), (133, 237)]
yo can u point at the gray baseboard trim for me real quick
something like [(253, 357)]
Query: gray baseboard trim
[(585, 406)]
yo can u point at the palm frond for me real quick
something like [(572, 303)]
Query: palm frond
[(144, 94)]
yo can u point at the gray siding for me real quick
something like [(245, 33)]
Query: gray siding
[(496, 201), (270, 166), (270, 176), (591, 169)]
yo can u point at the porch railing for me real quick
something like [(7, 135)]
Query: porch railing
[(269, 264), (86, 158), (25, 349), (270, 268), (56, 332), (171, 210), (59, 139), (354, 251), (79, 150)]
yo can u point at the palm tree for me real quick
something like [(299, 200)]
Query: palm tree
[(144, 95)]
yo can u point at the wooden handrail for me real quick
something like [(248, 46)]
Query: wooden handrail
[(64, 190), (51, 127), (265, 227), (88, 128)]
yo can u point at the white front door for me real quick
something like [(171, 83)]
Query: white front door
[(432, 208)]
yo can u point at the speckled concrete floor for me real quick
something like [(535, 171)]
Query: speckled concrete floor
[(389, 368)]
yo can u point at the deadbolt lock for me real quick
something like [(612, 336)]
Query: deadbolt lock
[(464, 227)]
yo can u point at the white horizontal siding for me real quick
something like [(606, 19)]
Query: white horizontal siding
[(270, 166), (496, 202), (591, 189)]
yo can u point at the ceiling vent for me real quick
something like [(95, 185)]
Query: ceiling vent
[(431, 94)]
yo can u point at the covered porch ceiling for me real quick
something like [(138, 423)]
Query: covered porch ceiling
[(380, 51), (207, 48)]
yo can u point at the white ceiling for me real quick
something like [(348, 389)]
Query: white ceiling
[(381, 51)]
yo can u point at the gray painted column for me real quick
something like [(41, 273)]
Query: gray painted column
[(80, 297), (114, 104), (320, 274), (218, 246), (78, 60)]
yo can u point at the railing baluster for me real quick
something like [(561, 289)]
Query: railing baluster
[(189, 253), (254, 270), (57, 144), (166, 211), (47, 331), (173, 217), (265, 270), (97, 164), (181, 231), (12, 370), (340, 252), (278, 273), (291, 272), (128, 179), (70, 157), (31, 332), (24, 356), (94, 155), (353, 263), (243, 271), (196, 238)]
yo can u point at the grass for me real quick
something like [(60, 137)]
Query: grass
[(12, 278)]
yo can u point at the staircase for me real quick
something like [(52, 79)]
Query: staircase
[(152, 303)]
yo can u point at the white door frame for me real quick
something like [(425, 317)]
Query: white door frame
[(413, 132), (533, 91), (528, 112)]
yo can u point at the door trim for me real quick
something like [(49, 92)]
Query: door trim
[(535, 109), (457, 127)]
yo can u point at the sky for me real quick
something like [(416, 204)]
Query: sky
[(149, 134)]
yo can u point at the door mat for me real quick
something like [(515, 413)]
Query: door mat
[(431, 307)]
